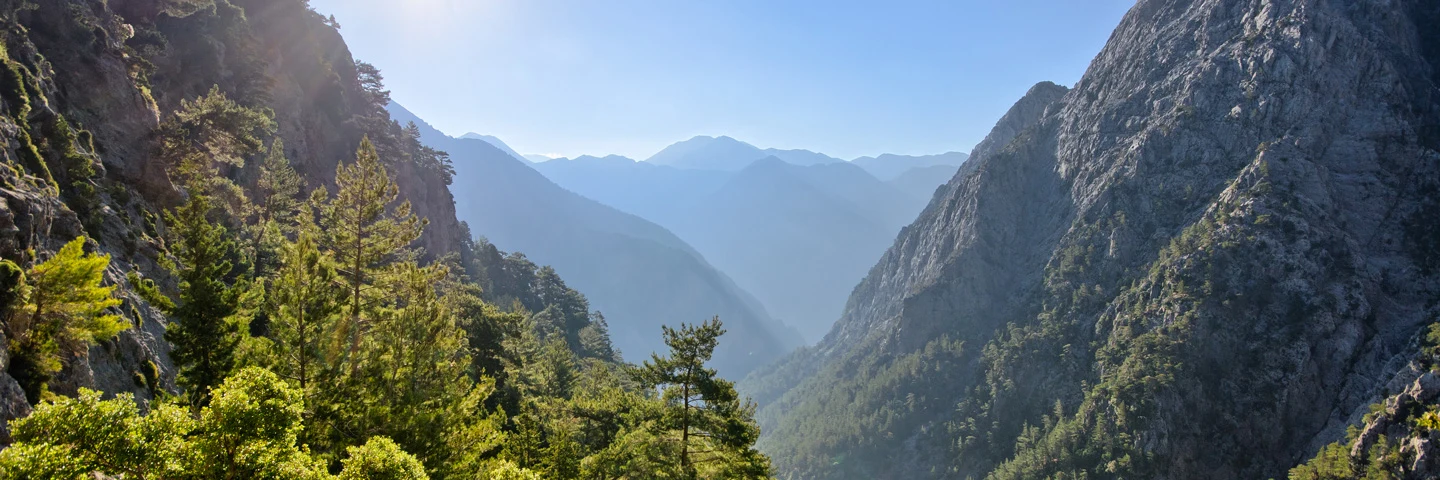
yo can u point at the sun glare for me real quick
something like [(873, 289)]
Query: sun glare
[(436, 18)]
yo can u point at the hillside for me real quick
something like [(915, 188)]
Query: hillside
[(116, 75), (1200, 262), (635, 272), (796, 236), (496, 142)]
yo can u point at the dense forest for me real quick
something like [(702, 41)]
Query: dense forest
[(181, 219)]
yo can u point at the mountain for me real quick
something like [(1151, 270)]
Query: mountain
[(800, 157), (537, 158), (80, 130), (653, 192), (490, 139), (1203, 261), (889, 167), (796, 236), (728, 154), (635, 272), (919, 183), (708, 153)]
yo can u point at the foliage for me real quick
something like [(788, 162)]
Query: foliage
[(150, 292), (541, 295), (365, 236), (363, 357), (278, 211), (78, 172), (716, 430), (425, 157), (205, 329), (248, 431), (60, 306), (381, 459), (1332, 463), (209, 133), (304, 310)]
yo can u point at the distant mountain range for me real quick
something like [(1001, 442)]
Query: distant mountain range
[(890, 167), (728, 154), (795, 227), (637, 273)]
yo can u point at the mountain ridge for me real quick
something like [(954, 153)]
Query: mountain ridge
[(620, 261), (1197, 263)]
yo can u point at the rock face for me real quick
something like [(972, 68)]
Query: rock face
[(115, 70), (1194, 264)]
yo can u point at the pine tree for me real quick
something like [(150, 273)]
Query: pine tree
[(717, 431), (279, 188), (304, 308), (208, 133), (416, 368), (365, 236), (59, 305), (204, 332), (278, 211), (425, 157)]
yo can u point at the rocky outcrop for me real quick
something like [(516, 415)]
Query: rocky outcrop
[(1194, 264), (115, 70)]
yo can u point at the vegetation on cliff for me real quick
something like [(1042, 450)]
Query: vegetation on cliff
[(288, 312)]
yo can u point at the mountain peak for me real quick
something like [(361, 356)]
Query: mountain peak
[(491, 139), (708, 153)]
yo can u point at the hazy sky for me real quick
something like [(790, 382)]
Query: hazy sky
[(572, 77)]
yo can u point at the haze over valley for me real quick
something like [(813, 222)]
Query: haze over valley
[(1115, 239)]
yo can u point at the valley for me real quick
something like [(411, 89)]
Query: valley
[(231, 249)]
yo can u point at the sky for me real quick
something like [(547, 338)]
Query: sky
[(845, 78)]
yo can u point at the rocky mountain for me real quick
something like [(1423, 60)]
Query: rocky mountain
[(635, 272), (495, 142), (1200, 262), (112, 73), (889, 166)]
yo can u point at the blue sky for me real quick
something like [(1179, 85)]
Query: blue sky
[(572, 77)]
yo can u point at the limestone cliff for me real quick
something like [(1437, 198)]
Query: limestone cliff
[(1194, 264), (116, 70)]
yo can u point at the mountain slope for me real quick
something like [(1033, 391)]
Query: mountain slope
[(114, 71), (637, 273), (654, 192), (802, 158), (708, 153), (1196, 264), (889, 167), (919, 183), (495, 142), (796, 236)]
